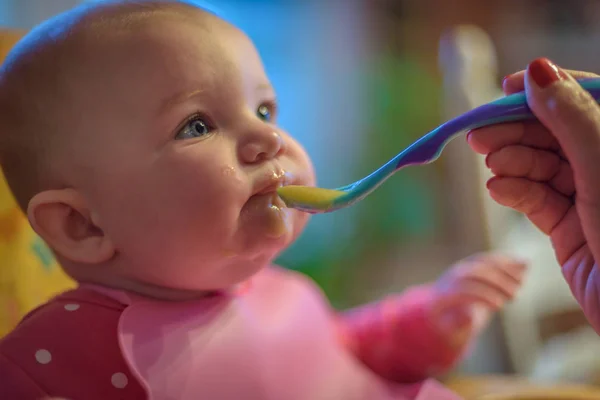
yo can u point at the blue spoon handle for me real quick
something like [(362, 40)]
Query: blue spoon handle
[(429, 147)]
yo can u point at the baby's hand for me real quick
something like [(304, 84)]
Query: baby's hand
[(485, 280)]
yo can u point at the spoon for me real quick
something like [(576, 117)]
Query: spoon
[(425, 150)]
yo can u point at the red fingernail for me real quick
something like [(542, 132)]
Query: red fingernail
[(544, 72), (505, 78)]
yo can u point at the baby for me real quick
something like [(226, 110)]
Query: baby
[(141, 139)]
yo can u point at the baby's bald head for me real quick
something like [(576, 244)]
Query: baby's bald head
[(49, 78)]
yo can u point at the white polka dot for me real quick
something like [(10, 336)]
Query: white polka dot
[(119, 380), (71, 307), (43, 356)]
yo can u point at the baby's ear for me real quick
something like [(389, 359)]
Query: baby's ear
[(63, 219)]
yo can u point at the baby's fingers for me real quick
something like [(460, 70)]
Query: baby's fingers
[(472, 292), (507, 267), (497, 277)]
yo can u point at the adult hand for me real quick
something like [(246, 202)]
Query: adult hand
[(550, 170)]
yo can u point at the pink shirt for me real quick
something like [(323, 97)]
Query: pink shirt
[(277, 340)]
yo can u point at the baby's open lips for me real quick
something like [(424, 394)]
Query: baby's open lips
[(266, 188), (272, 181)]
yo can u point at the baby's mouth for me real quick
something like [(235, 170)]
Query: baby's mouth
[(268, 197), (265, 209), (276, 200), (270, 183)]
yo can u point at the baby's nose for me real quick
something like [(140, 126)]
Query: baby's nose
[(261, 145)]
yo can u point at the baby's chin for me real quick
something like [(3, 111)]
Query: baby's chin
[(260, 247), (268, 225), (263, 240)]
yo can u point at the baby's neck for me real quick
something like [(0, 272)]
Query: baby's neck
[(159, 292), (109, 276)]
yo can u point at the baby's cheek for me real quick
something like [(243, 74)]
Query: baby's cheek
[(215, 195), (305, 166)]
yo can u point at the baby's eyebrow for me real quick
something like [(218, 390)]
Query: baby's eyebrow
[(178, 99)]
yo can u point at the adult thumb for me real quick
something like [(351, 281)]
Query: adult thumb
[(572, 116)]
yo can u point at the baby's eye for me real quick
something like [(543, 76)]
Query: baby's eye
[(264, 112), (196, 127)]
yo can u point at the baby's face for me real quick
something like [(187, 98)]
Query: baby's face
[(182, 156)]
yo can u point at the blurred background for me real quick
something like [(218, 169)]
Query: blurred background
[(358, 80)]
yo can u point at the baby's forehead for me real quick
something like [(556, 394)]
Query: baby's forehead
[(128, 58), (107, 44), (162, 28), (173, 47), (162, 38)]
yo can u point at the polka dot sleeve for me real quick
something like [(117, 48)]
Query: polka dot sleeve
[(15, 383), (68, 348)]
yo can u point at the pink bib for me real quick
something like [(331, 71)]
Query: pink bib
[(273, 342)]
